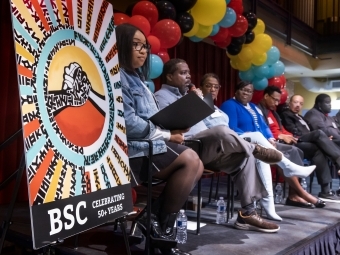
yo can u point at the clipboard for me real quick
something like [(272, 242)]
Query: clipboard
[(185, 112)]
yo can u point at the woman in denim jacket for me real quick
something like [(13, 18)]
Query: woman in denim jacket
[(178, 165)]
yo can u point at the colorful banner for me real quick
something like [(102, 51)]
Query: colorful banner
[(72, 112)]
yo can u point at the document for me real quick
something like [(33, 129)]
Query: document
[(184, 113)]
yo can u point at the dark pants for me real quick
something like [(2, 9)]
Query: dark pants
[(316, 147)]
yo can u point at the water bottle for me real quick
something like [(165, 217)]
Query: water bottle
[(221, 214), (182, 220), (303, 183), (278, 194)]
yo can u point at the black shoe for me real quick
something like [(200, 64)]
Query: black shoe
[(299, 204), (331, 195), (320, 203), (173, 251)]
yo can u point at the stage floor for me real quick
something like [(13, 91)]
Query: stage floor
[(298, 228)]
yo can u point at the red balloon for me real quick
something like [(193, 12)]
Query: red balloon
[(237, 6), (257, 96), (155, 44), (120, 18), (240, 26), (147, 10), (142, 23), (221, 36), (284, 96), (163, 54), (283, 80), (275, 81), (168, 32), (223, 44)]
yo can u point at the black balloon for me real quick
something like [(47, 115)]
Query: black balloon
[(251, 18), (128, 10), (183, 5), (185, 21), (166, 10), (238, 40), (234, 49), (250, 36)]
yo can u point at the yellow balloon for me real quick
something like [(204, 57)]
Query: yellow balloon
[(243, 65), (261, 44), (259, 60), (204, 31), (246, 53), (259, 28), (233, 63), (193, 31), (209, 12), (231, 56)]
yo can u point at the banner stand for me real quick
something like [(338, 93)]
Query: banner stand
[(17, 174)]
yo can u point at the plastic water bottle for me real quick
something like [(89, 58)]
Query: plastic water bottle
[(182, 220), (303, 183), (221, 214), (278, 194)]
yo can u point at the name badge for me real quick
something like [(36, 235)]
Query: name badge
[(334, 125), (270, 121), (216, 114)]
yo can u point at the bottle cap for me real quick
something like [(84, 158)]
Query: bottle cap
[(181, 211), (221, 198)]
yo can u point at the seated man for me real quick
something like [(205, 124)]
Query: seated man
[(317, 118), (224, 150), (315, 144)]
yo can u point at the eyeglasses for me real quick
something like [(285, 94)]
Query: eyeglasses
[(247, 91), (139, 46), (275, 99), (210, 86)]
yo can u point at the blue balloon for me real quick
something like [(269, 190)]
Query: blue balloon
[(195, 39), (156, 68), (260, 83), (247, 75), (273, 55), (227, 1), (279, 68), (261, 71), (215, 30), (270, 73), (150, 85), (229, 18)]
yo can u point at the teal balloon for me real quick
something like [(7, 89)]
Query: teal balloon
[(273, 55), (227, 1), (195, 39), (261, 71), (247, 75), (229, 18), (271, 72), (156, 67), (215, 30), (150, 85), (260, 83), (279, 68)]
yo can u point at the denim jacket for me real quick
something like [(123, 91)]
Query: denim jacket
[(139, 106)]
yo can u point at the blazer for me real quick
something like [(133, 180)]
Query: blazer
[(292, 123)]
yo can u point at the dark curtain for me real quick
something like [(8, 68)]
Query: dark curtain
[(9, 107), (205, 58)]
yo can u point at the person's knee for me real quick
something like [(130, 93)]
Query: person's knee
[(320, 133)]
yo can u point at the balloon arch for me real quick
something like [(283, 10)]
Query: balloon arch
[(240, 33)]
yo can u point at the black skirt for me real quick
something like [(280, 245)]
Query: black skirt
[(139, 166)]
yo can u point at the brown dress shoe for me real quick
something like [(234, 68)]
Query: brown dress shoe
[(267, 155), (254, 222)]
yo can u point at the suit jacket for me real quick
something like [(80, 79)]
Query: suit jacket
[(318, 120), (265, 112), (292, 123)]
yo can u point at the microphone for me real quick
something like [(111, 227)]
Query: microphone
[(191, 87)]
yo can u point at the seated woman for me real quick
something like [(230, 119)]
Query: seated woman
[(178, 165), (210, 84), (252, 121)]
